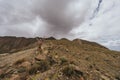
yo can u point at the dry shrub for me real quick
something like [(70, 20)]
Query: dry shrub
[(63, 60), (40, 66), (2, 76), (50, 60), (43, 65), (70, 71), (22, 69)]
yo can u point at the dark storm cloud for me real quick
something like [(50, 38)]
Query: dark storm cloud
[(59, 17)]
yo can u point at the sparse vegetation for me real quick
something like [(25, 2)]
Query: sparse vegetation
[(51, 60), (43, 65), (40, 66), (63, 60), (2, 76), (22, 69), (71, 71)]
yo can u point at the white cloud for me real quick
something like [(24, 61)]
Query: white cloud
[(104, 27), (32, 17)]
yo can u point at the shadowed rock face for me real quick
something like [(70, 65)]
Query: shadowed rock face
[(12, 44)]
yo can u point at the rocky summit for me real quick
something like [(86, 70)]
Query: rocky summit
[(52, 59)]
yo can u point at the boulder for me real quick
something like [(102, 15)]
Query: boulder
[(40, 57)]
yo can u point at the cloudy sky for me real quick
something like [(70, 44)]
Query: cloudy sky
[(94, 20)]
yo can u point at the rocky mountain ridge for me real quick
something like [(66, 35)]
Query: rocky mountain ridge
[(57, 60), (12, 44)]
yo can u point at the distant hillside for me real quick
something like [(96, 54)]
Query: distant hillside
[(57, 60), (13, 44)]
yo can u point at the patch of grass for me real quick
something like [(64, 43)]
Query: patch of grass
[(63, 60)]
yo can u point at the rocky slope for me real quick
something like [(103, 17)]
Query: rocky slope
[(13, 44), (59, 60)]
